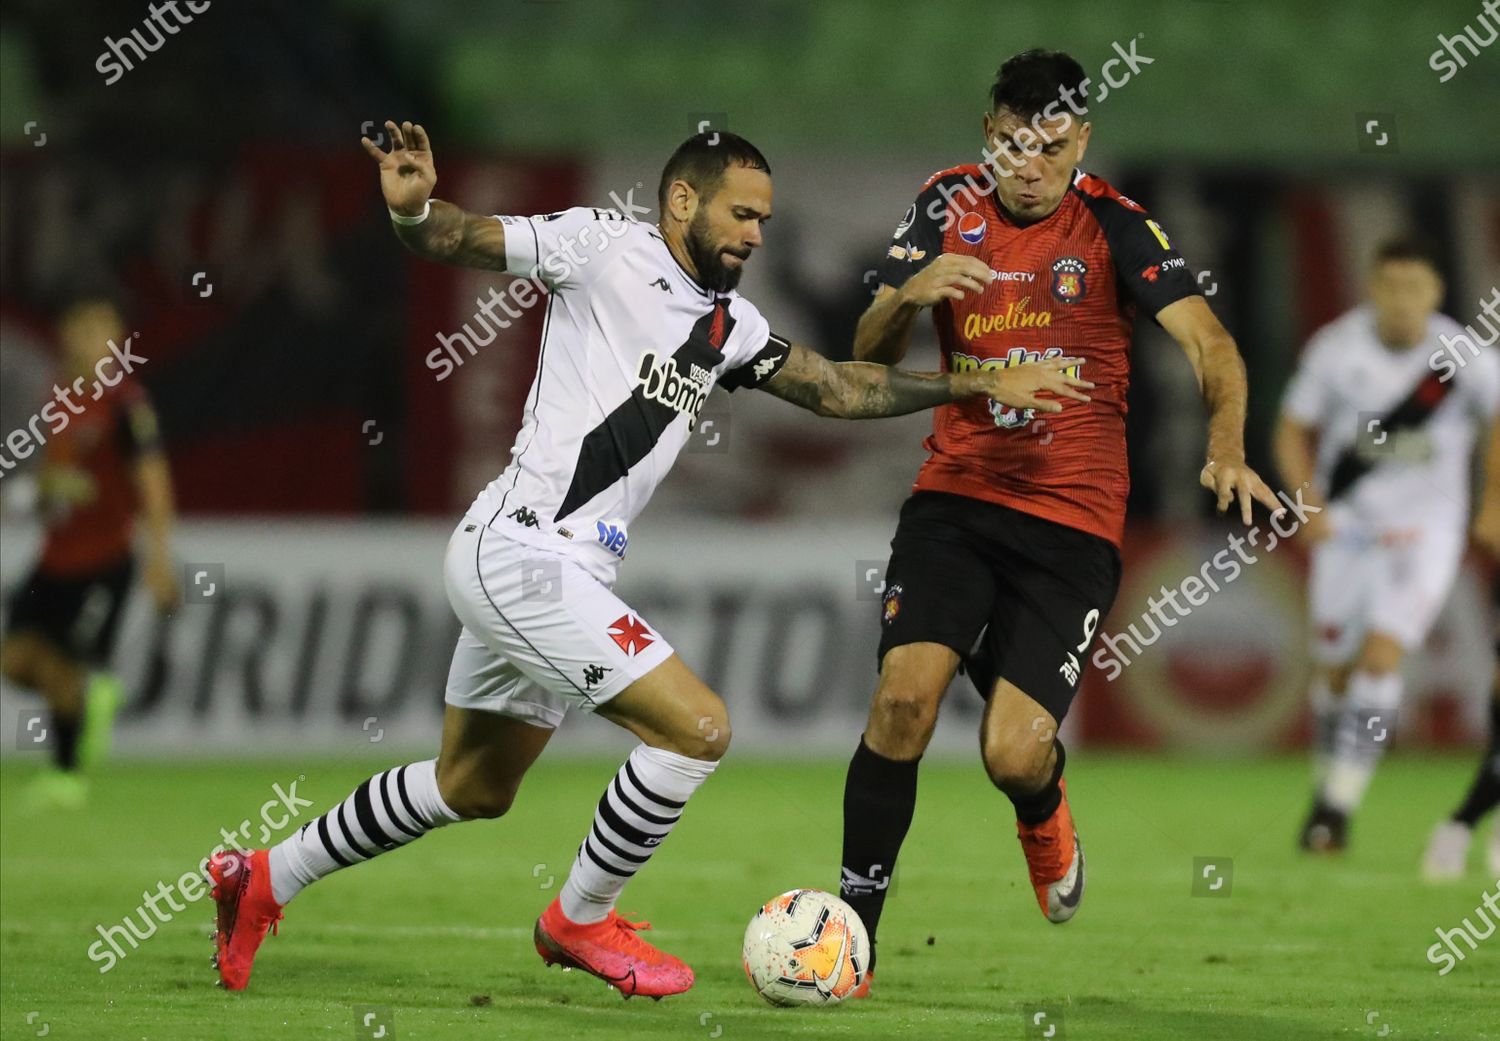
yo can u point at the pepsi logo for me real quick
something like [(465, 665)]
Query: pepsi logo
[(971, 228)]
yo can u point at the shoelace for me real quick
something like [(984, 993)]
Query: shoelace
[(638, 946), (1044, 852)]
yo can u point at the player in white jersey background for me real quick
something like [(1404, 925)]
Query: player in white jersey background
[(1387, 445), (641, 323)]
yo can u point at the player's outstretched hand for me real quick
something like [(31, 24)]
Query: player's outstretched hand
[(1230, 480), (407, 174), (1022, 386), (949, 277)]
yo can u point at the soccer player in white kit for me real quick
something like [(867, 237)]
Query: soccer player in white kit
[(642, 321), (1384, 441)]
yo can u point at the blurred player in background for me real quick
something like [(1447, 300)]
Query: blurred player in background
[(642, 321), (1011, 538), (1387, 442), (102, 468), (1448, 850)]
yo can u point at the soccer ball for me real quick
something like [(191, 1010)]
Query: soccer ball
[(806, 947)]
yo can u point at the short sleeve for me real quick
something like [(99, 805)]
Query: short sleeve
[(918, 238), (1149, 268), (754, 354), (1306, 399), (564, 248)]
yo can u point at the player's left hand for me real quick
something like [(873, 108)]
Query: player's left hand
[(1229, 480), (161, 581)]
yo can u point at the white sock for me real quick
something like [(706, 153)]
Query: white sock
[(634, 815), (1327, 708), (1366, 729), (384, 813)]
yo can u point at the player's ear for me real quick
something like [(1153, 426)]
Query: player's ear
[(682, 201), (1083, 139), (989, 129)]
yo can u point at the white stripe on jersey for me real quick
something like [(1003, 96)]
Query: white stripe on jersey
[(1347, 378), (631, 347)]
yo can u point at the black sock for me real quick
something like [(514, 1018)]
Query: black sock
[(65, 741), (1484, 793), (880, 796), (1037, 807)]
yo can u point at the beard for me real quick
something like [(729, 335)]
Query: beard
[(708, 257)]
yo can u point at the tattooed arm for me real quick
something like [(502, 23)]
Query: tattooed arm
[(866, 390), (447, 234)]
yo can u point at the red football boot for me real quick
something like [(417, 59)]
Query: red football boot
[(612, 951), (1054, 857), (247, 911)]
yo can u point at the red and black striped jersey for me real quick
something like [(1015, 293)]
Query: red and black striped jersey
[(1068, 284)]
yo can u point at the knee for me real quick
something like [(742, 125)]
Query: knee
[(473, 796), (15, 664), (1379, 656), (902, 716), (1336, 678), (710, 741), (1018, 765)]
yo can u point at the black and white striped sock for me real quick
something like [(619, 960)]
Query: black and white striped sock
[(636, 813), (384, 813)]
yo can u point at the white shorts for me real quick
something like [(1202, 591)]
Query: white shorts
[(1363, 583), (539, 632)]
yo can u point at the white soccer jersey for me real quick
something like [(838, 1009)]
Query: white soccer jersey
[(631, 346), (1417, 434)]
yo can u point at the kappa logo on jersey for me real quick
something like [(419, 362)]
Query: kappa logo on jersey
[(662, 284), (971, 228), (631, 634), (766, 366), (524, 516), (1068, 284), (613, 538), (661, 380)]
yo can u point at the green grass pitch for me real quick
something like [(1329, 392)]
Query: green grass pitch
[(438, 936)]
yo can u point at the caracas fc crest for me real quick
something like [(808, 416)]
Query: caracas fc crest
[(1068, 279)]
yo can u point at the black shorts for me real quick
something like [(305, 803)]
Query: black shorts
[(78, 613), (1037, 590)]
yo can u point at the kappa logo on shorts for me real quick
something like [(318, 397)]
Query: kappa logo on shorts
[(593, 675), (631, 634)]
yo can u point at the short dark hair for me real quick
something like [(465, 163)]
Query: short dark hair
[(1409, 247), (702, 159), (1030, 81)]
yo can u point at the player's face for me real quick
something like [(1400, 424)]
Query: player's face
[(85, 331), (1404, 294), (1034, 160), (726, 227)]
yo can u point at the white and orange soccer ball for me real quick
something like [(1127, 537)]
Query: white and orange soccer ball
[(806, 947)]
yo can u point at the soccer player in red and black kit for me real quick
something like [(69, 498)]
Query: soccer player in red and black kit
[(1009, 544), (102, 464)]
